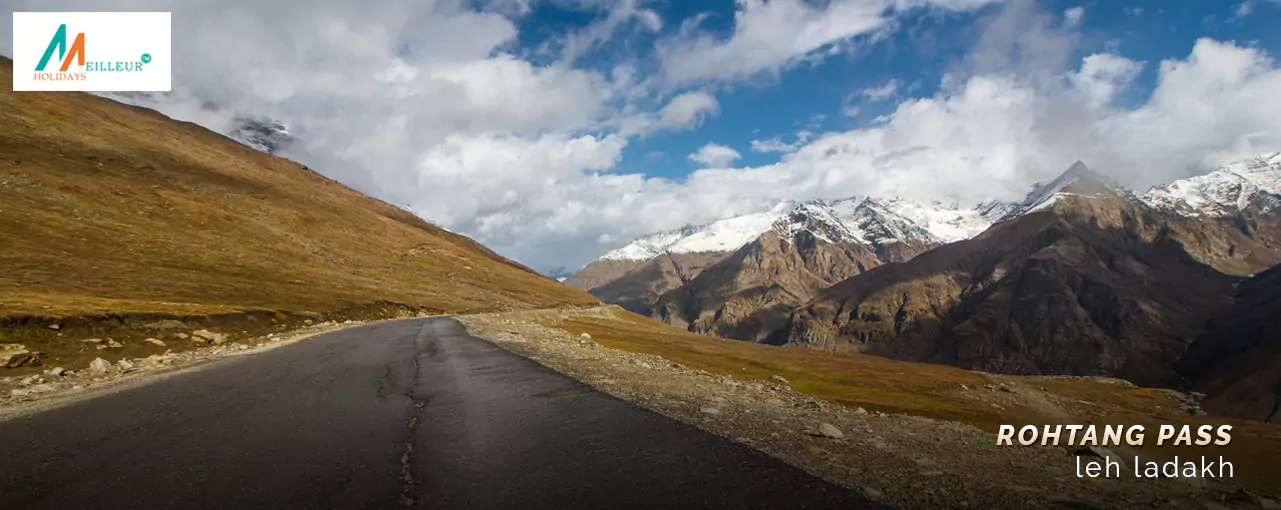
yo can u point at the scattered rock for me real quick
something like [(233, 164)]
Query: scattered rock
[(203, 335), (779, 379), (14, 355), (42, 388), (99, 366), (125, 365), (829, 430), (155, 342)]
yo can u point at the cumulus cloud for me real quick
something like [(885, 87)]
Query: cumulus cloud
[(1103, 75), (435, 107), (715, 156)]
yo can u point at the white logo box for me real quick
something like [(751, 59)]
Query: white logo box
[(116, 46)]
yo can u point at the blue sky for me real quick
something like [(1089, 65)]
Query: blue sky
[(556, 130), (812, 97)]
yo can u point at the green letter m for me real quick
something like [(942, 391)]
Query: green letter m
[(59, 43)]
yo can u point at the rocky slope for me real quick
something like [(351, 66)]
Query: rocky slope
[(1081, 278), (640, 288), (1237, 361), (115, 210), (1237, 209), (749, 294)]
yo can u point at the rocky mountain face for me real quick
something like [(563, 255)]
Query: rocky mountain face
[(638, 289), (1237, 359), (749, 294), (1080, 278), (1237, 209)]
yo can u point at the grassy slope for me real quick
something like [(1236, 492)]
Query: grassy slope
[(111, 208), (933, 391)]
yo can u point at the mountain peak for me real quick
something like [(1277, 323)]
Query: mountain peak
[(1077, 180)]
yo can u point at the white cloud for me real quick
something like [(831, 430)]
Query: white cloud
[(1103, 75), (881, 92), (687, 110), (777, 145), (432, 106), (1072, 17), (769, 36), (715, 156)]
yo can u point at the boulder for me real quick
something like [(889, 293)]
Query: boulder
[(57, 371), (207, 336), (203, 335), (99, 366), (112, 344), (155, 342), (779, 379), (829, 430), (14, 355)]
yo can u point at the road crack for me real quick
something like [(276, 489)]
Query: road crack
[(408, 483)]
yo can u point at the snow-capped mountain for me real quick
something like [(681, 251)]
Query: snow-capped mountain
[(859, 220), (1077, 180), (1223, 192), (724, 235)]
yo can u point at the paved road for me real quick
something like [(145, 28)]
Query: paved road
[(400, 414)]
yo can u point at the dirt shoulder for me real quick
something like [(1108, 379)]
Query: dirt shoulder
[(900, 459), (57, 386)]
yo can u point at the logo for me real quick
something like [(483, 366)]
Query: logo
[(91, 51), (59, 43)]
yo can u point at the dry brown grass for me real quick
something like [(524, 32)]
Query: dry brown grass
[(934, 391), (110, 208)]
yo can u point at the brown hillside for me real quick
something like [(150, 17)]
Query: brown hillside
[(110, 208), (1095, 285), (641, 287)]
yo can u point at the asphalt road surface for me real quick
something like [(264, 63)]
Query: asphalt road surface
[(406, 414)]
